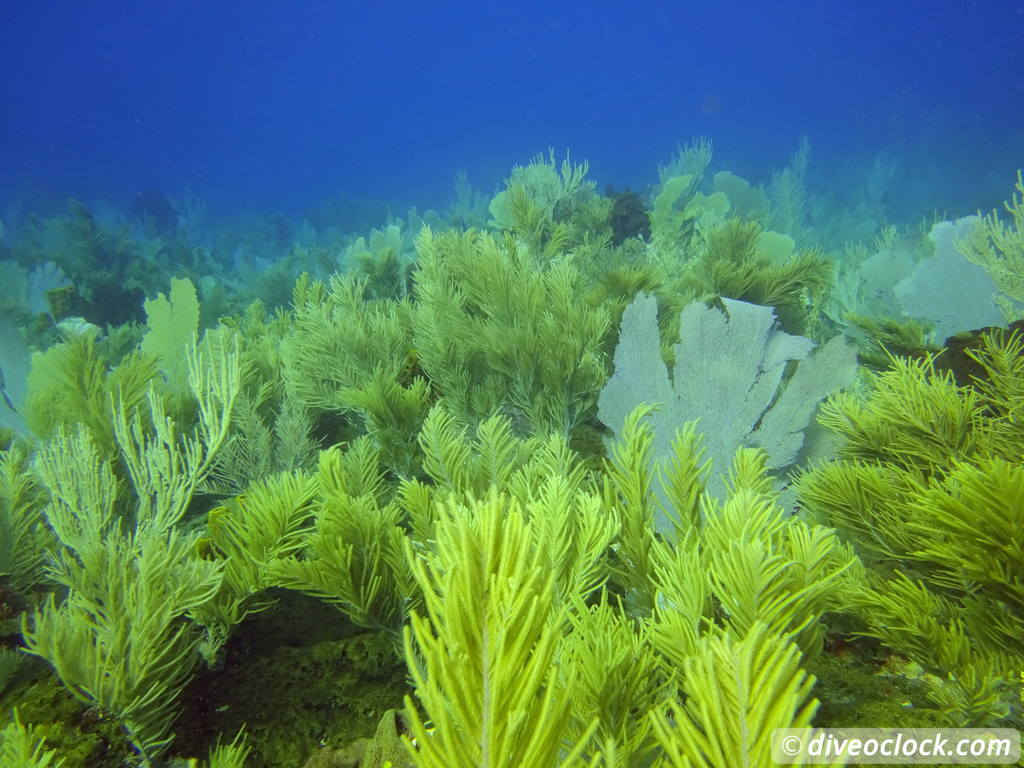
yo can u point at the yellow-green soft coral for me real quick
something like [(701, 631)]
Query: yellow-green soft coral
[(348, 354), (245, 535), (483, 658), (486, 332), (385, 263), (930, 489), (734, 267), (495, 334), (550, 208), (513, 667), (998, 246), (353, 556), (738, 691), (23, 536), (119, 637), (682, 219), (22, 746), (70, 384)]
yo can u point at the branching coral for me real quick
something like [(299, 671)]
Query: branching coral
[(119, 638), (733, 268), (998, 246), (739, 690), (539, 200), (931, 490), (353, 557), (512, 666), (495, 334), (23, 537), (70, 384), (246, 536), (651, 604), (483, 658), (22, 746)]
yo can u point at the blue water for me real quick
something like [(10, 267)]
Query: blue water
[(278, 106)]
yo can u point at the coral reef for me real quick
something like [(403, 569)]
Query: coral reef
[(558, 478)]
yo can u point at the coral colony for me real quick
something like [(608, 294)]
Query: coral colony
[(545, 478)]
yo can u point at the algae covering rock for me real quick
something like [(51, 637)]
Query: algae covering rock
[(385, 750), (299, 688)]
